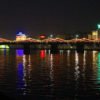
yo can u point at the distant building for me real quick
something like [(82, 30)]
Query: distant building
[(20, 36), (89, 36), (95, 34)]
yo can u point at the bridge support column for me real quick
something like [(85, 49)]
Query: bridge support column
[(26, 48), (80, 47), (54, 47)]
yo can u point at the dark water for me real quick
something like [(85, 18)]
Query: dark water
[(41, 75)]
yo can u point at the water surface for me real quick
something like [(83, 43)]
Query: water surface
[(42, 75)]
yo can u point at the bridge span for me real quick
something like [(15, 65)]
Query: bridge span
[(55, 43)]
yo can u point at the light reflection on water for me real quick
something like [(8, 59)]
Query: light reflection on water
[(63, 75), (98, 70), (77, 72)]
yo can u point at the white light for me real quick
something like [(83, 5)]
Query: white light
[(21, 34), (98, 26), (51, 36)]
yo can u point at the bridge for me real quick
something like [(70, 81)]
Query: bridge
[(53, 43)]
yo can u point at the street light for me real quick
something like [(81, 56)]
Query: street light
[(76, 36)]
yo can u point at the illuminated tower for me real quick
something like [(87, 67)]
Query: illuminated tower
[(20, 37)]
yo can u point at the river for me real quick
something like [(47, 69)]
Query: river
[(43, 75)]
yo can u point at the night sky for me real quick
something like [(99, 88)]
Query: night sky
[(48, 16)]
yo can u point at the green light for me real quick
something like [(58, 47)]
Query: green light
[(98, 25), (98, 59), (98, 68), (4, 46)]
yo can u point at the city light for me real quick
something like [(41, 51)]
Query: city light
[(42, 54), (20, 52), (42, 36), (20, 36), (98, 25), (4, 46)]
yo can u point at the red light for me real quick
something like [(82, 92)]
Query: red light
[(42, 36), (42, 54)]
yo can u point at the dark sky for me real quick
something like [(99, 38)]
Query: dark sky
[(48, 16)]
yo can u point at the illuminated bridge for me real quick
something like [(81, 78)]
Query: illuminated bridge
[(52, 43)]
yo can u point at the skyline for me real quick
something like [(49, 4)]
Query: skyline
[(47, 17)]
